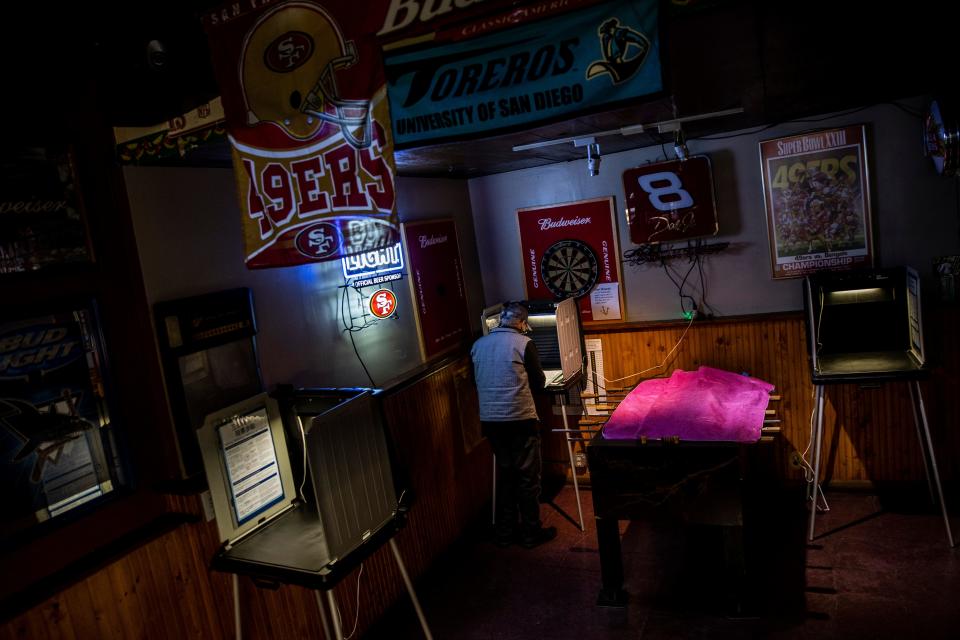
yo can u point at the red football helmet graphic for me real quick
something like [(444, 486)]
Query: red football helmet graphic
[(288, 70)]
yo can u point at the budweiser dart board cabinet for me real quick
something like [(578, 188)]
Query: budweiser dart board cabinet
[(570, 250)]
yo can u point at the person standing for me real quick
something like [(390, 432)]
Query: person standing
[(507, 371)]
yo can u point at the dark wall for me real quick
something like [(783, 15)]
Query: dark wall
[(783, 60)]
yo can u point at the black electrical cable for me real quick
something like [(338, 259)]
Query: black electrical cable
[(683, 283), (703, 280), (360, 360), (683, 309), (805, 120), (350, 331), (701, 258), (343, 316), (738, 135), (662, 139), (916, 114)]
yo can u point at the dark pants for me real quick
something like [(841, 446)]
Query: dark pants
[(517, 447)]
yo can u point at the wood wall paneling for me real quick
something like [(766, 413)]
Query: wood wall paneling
[(869, 431)]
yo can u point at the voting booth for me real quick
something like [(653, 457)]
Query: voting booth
[(866, 326), (555, 329), (311, 522)]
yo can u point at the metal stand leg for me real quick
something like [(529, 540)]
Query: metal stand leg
[(573, 466), (927, 443), (817, 446), (238, 628), (323, 614), (917, 421), (413, 595), (334, 613)]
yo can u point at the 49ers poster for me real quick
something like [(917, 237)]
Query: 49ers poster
[(306, 110), (817, 195)]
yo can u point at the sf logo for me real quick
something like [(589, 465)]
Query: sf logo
[(318, 241), (383, 303), (290, 52)]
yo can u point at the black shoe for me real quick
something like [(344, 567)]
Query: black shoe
[(538, 537)]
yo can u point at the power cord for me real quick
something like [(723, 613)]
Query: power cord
[(680, 285), (662, 363), (808, 472), (356, 618), (303, 442)]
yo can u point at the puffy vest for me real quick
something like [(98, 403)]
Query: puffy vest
[(502, 383)]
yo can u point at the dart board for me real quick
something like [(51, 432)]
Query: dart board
[(569, 268)]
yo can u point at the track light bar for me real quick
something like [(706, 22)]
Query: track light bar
[(665, 126)]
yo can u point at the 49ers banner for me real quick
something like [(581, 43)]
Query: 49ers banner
[(306, 110)]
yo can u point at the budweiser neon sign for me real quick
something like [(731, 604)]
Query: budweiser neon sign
[(371, 263)]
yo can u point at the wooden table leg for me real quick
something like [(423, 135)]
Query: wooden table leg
[(611, 564)]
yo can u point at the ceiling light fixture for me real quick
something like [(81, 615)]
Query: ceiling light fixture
[(593, 153), (665, 126), (680, 145)]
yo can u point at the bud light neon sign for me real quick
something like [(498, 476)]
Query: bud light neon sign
[(372, 263)]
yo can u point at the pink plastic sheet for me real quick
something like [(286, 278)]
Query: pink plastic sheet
[(707, 405)]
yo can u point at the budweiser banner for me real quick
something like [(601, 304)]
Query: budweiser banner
[(436, 282), (478, 77), (305, 104)]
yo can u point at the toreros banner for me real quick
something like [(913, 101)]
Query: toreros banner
[(537, 63), (307, 118)]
